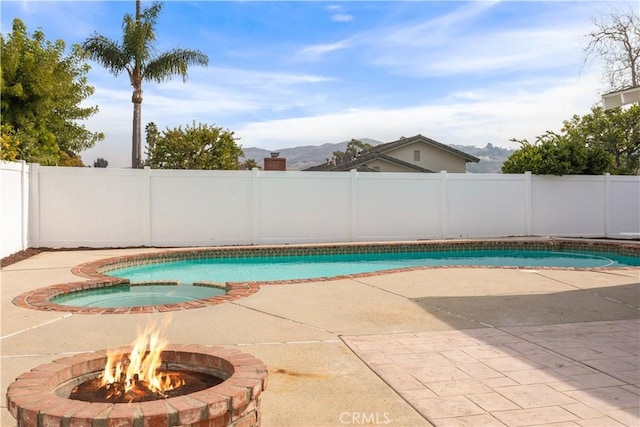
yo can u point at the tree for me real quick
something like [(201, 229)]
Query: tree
[(42, 88), (354, 148), (9, 144), (136, 55), (616, 130), (554, 154), (598, 142), (249, 164), (198, 146), (617, 40), (100, 163)]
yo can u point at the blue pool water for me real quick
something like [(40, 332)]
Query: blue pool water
[(133, 296), (313, 266)]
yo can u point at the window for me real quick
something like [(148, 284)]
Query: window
[(416, 155)]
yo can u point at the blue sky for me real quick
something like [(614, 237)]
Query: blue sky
[(283, 74)]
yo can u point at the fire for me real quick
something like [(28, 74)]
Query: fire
[(139, 371)]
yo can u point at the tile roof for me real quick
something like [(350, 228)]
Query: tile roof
[(379, 153)]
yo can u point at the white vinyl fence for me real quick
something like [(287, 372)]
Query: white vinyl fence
[(14, 207), (92, 207)]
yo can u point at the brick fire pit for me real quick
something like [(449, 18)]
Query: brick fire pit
[(40, 398)]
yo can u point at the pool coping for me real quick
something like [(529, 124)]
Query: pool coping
[(93, 272)]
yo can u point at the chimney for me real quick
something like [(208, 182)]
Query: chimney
[(275, 163)]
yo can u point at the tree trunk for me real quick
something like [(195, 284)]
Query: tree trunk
[(136, 98), (136, 161)]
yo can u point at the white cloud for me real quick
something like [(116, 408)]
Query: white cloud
[(338, 14), (493, 115), (341, 17), (316, 51)]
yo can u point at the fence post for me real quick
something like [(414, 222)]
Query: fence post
[(146, 206), (354, 205), (444, 211), (528, 203), (24, 205), (255, 205), (34, 205), (607, 202)]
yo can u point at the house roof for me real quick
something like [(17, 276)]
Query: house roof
[(362, 160), (384, 148), (621, 97), (379, 153)]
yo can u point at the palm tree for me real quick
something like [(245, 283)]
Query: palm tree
[(136, 55)]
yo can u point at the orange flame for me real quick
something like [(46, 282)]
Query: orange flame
[(142, 365)]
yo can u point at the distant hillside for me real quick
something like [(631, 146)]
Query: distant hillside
[(299, 158), (491, 158)]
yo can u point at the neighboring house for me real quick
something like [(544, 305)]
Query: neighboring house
[(618, 98), (414, 154)]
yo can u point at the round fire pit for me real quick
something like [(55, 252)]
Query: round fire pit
[(41, 397)]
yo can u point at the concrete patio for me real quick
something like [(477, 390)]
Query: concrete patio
[(444, 347)]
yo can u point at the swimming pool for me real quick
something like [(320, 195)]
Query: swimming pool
[(291, 267), (240, 271), (138, 295)]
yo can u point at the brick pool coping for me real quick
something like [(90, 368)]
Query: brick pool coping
[(93, 272), (34, 399)]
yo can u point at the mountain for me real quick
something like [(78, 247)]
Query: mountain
[(299, 158), (491, 157)]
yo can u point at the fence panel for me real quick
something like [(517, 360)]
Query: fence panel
[(14, 207), (398, 206), (487, 205), (570, 206), (301, 207), (74, 207), (623, 207), (200, 208), (90, 207)]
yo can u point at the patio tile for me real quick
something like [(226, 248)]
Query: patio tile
[(419, 393), (418, 360), (584, 353), (532, 396), (567, 385), (597, 380), (605, 399), (535, 416), (479, 370), (629, 417), (424, 346), (524, 347), (583, 411), (484, 420), (534, 376), (599, 422), (439, 373), (454, 378), (633, 389), (611, 365), (570, 371), (506, 364), (458, 356), (492, 402), (497, 382), (550, 360), (446, 407), (563, 424), (488, 351), (458, 388)]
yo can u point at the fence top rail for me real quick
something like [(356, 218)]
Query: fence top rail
[(13, 166)]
